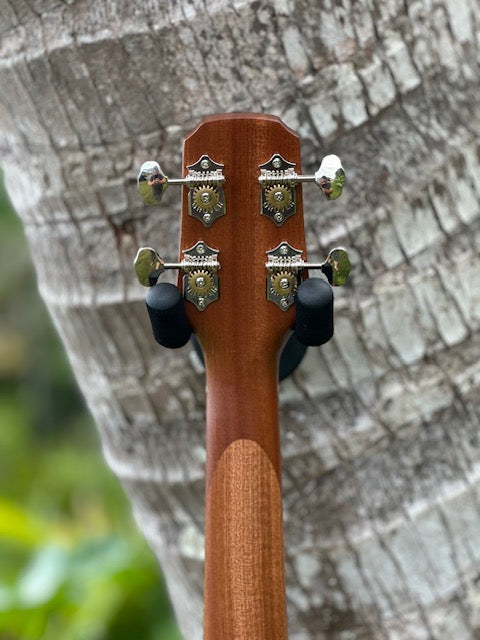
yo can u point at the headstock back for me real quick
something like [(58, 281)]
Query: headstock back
[(242, 322)]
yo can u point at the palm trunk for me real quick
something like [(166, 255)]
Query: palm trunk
[(380, 426)]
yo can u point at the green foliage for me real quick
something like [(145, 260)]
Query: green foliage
[(99, 588), (72, 564)]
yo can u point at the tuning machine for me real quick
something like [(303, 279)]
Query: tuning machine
[(204, 180), (278, 180), (285, 265), (164, 301), (313, 297), (199, 265)]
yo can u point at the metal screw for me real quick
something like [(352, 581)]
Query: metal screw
[(200, 281), (284, 283), (276, 163), (279, 196), (205, 164), (201, 302), (284, 303), (207, 218), (278, 217), (206, 197), (201, 249), (283, 250)]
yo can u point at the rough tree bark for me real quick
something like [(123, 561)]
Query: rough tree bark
[(379, 427)]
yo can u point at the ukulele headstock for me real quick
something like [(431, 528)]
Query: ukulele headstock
[(242, 259)]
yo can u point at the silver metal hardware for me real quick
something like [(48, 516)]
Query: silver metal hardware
[(206, 197), (199, 265), (200, 281), (285, 265), (204, 180), (278, 180), (278, 200), (151, 183), (330, 177), (283, 274)]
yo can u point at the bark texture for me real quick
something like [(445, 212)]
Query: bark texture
[(380, 427)]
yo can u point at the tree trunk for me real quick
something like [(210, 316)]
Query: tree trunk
[(380, 426)]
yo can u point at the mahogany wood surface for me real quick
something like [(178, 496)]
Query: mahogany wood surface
[(241, 336)]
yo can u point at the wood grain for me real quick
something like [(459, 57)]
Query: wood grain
[(245, 507)]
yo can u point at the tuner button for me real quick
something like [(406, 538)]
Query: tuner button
[(337, 267), (166, 309), (330, 177), (152, 182), (148, 266), (314, 319)]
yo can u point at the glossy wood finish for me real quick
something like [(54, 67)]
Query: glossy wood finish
[(241, 335), (244, 582)]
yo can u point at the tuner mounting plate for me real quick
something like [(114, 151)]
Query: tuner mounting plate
[(278, 199), (283, 275), (200, 280), (206, 197)]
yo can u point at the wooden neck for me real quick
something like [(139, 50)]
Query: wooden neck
[(241, 336), (244, 540)]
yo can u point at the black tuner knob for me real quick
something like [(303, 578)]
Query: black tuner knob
[(166, 309), (314, 320)]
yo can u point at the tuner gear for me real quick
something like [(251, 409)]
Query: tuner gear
[(200, 283), (205, 199), (278, 197), (283, 283)]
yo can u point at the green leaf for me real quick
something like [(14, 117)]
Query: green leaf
[(20, 527), (43, 577)]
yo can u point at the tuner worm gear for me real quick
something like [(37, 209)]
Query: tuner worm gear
[(205, 199), (278, 197), (283, 283), (200, 283)]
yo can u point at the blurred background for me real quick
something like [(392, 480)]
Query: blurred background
[(72, 564)]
